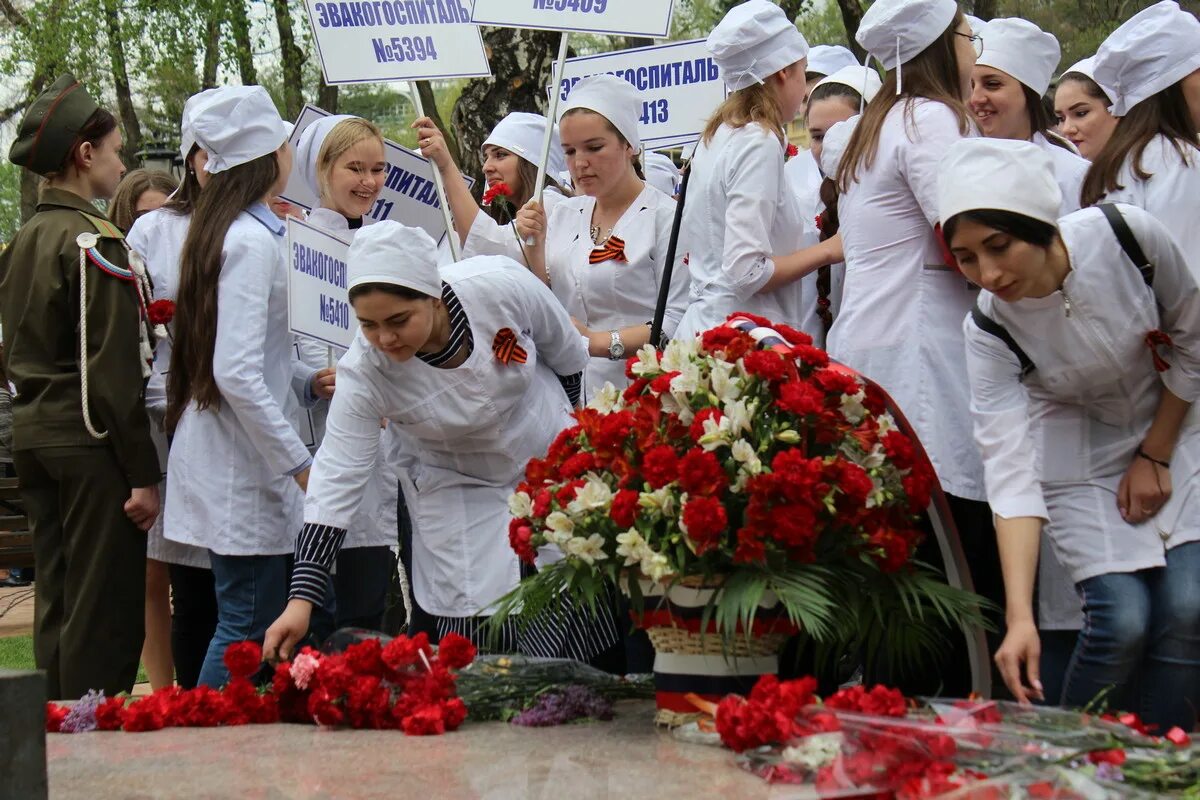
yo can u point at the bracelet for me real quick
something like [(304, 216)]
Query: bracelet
[(1140, 453)]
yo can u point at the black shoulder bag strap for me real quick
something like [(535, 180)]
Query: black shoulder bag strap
[(989, 325), (1128, 241)]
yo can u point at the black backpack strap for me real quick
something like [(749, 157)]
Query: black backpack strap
[(989, 325), (1128, 241)]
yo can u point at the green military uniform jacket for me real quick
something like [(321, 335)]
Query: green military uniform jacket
[(39, 309)]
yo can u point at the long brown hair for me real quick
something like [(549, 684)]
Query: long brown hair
[(228, 193), (1041, 119), (755, 103), (183, 202), (1166, 114), (932, 75)]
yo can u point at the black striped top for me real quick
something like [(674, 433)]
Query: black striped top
[(460, 330)]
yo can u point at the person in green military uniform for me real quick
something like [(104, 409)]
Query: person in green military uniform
[(81, 438)]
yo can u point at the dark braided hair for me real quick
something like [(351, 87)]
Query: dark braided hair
[(828, 223)]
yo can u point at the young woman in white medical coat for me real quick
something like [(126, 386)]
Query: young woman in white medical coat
[(1007, 84), (603, 252), (341, 159), (188, 598), (1152, 160), (510, 156), (1081, 106), (237, 465), (902, 299), (1086, 423), (463, 359)]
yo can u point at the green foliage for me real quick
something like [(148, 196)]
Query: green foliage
[(10, 200)]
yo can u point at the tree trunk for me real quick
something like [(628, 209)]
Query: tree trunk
[(637, 41), (852, 14), (327, 96), (212, 44), (985, 9), (429, 103), (239, 20), (793, 8), (521, 62), (293, 60), (120, 75)]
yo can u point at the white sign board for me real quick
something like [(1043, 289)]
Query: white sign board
[(679, 83), (408, 195), (650, 18), (397, 40), (318, 300)]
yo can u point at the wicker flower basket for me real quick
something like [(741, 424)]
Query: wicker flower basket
[(688, 660)]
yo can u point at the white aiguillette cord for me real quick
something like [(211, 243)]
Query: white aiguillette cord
[(86, 241)]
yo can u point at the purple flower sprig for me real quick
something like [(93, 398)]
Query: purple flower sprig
[(82, 716), (561, 706)]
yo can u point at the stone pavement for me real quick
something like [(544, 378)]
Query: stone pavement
[(626, 758)]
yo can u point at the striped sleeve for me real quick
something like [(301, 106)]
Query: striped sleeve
[(316, 550), (573, 386)]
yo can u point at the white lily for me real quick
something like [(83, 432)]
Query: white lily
[(740, 416), (594, 494), (678, 354), (745, 454), (726, 388), (631, 546), (607, 399), (716, 433), (558, 522), (647, 363), (655, 566), (520, 505), (589, 550), (660, 500), (887, 423), (852, 407)]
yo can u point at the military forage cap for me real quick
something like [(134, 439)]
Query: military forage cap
[(51, 126)]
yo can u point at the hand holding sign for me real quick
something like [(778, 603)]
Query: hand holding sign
[(432, 143)]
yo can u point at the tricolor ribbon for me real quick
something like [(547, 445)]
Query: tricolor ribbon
[(1154, 340), (613, 250), (506, 348)]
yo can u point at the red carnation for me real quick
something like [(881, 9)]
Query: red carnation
[(761, 322), (696, 429), (1115, 756), (705, 520), (455, 651), (730, 341), (765, 364), (498, 189), (520, 539), (243, 659), (700, 473), (624, 508), (801, 398), (541, 503), (791, 151), (55, 714), (835, 381), (144, 715), (662, 384), (854, 481), (792, 335), (576, 465), (365, 657), (899, 449), (108, 714), (160, 312), (403, 652), (660, 466), (812, 356)]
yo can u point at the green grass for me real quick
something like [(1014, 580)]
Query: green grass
[(16, 652)]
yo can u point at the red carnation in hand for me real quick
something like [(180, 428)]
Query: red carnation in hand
[(161, 312), (498, 189), (455, 651), (243, 659), (791, 152)]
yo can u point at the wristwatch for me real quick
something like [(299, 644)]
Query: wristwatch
[(616, 348)]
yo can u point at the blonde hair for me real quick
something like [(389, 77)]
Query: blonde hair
[(341, 138), (755, 103)]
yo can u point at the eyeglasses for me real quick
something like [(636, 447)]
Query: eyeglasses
[(976, 42)]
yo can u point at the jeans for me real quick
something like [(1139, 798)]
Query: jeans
[(251, 593), (1141, 639)]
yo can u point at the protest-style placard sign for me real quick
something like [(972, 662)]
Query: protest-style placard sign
[(679, 83), (650, 18), (318, 299), (397, 40), (408, 195)]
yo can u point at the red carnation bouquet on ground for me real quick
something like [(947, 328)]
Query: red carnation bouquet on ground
[(743, 458), (404, 684)]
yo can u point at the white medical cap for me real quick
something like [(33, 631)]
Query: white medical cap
[(864, 80), (522, 133), (826, 59), (395, 254), (896, 31), (612, 98), (662, 174), (308, 149), (998, 174), (1152, 51), (753, 42), (834, 145), (187, 134), (1021, 49), (237, 126), (1086, 68)]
